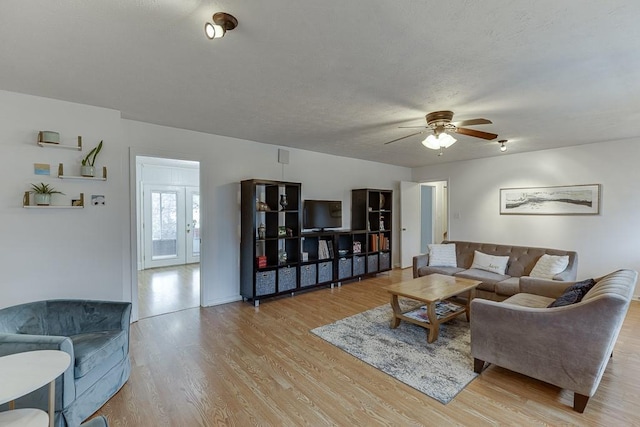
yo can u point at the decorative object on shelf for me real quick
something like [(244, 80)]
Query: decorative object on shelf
[(282, 256), (49, 137), (343, 252), (76, 202), (89, 161), (283, 201), (382, 200), (381, 221), (357, 247), (261, 231), (262, 206), (61, 174), (42, 193), (282, 231), (289, 232), (261, 261)]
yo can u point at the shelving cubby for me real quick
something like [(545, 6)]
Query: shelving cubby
[(371, 211)]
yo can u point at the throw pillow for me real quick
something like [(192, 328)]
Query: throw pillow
[(492, 263), (549, 265), (443, 255), (573, 293)]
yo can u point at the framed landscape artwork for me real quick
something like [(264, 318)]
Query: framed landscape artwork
[(567, 200)]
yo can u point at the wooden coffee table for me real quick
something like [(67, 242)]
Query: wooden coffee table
[(431, 290)]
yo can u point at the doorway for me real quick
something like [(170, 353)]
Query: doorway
[(168, 235), (424, 217)]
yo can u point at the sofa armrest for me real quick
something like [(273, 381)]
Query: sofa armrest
[(419, 261), (543, 287), (556, 345), (19, 343)]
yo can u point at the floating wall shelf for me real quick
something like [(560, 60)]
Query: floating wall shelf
[(68, 147), (61, 174), (26, 205)]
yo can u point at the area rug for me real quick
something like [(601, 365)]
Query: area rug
[(440, 369)]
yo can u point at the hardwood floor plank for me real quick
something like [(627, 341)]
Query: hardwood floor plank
[(240, 365)]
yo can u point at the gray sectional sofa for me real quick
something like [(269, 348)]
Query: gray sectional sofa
[(568, 346), (494, 286)]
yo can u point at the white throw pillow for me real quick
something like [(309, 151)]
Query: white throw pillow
[(550, 265), (443, 255), (492, 263)]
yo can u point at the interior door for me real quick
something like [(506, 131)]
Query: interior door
[(164, 225), (193, 224), (409, 222)]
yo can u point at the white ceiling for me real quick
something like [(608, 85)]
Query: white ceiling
[(339, 77)]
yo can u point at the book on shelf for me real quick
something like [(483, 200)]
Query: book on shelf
[(325, 249), (375, 240), (443, 308)]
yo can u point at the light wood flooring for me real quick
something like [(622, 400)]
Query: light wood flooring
[(167, 289), (240, 365)]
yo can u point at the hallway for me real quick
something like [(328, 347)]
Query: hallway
[(168, 289)]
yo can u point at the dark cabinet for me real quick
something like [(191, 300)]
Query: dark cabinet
[(271, 225), (371, 212)]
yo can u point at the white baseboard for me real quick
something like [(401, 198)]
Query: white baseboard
[(221, 301)]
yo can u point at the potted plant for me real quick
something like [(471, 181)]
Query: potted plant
[(88, 162), (42, 193)]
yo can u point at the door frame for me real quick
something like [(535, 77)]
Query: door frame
[(132, 281)]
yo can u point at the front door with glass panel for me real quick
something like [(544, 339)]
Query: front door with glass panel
[(171, 225)]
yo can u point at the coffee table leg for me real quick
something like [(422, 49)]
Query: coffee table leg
[(434, 326), (395, 320)]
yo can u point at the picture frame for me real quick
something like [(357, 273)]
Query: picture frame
[(555, 200)]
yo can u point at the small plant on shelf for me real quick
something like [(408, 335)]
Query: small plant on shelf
[(43, 193), (89, 161)]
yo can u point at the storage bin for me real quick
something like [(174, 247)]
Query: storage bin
[(385, 263), (287, 278), (344, 268), (372, 263), (265, 282), (308, 275), (325, 271), (358, 265)]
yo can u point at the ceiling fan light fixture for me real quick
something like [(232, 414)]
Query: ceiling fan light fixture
[(443, 140), (502, 143)]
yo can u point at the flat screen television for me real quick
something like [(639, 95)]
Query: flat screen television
[(321, 214)]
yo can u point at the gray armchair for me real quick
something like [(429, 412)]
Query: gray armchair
[(96, 336), (567, 346)]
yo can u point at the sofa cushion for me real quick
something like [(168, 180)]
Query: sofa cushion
[(548, 266), (442, 255), (450, 271), (487, 278), (528, 300), (573, 293), (92, 349), (508, 287), (493, 263)]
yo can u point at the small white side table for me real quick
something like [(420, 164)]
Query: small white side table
[(23, 373), (24, 418)]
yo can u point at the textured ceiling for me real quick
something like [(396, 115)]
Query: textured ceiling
[(339, 77)]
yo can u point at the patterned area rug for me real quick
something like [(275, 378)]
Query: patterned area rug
[(440, 370)]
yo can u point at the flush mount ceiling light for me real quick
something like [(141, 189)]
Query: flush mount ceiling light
[(222, 22), (502, 143)]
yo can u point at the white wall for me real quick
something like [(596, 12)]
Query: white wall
[(224, 162), (604, 242), (87, 253), (58, 253)]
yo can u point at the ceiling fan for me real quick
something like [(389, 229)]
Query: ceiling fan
[(439, 122)]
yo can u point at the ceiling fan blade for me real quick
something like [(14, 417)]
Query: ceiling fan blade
[(472, 122), (413, 127), (476, 133), (403, 137)]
